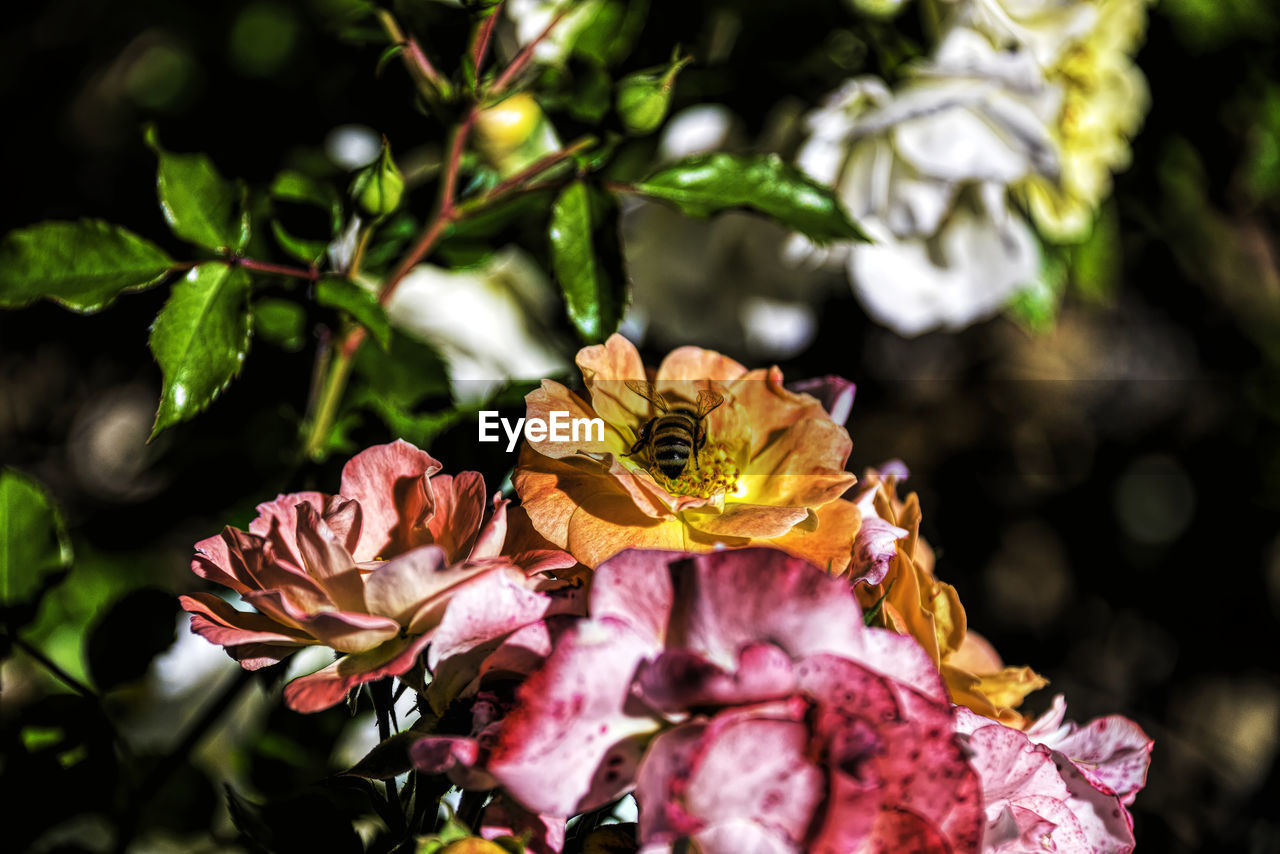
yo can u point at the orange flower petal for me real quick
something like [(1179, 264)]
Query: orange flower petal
[(604, 369), (831, 543), (553, 397), (748, 520)]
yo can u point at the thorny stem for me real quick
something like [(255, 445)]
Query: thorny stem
[(429, 81), (309, 275), (447, 210), (525, 56), (54, 669)]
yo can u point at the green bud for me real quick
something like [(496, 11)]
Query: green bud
[(377, 188), (644, 97)]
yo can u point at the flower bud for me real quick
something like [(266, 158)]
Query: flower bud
[(378, 187), (644, 97)]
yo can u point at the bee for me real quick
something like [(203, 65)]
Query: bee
[(677, 433)]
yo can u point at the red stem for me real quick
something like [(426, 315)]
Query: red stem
[(526, 55), (484, 33), (278, 269)]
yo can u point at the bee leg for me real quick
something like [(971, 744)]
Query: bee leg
[(641, 439)]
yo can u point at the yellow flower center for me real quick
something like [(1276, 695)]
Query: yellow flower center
[(713, 472)]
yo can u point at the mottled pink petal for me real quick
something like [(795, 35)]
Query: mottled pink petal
[(635, 587), (680, 679), (329, 686), (456, 756), (392, 484), (1112, 752), (571, 742), (345, 631), (255, 656), (485, 611), (502, 817), (723, 602), (896, 743)]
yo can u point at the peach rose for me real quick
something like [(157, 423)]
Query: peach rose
[(918, 604), (768, 468)]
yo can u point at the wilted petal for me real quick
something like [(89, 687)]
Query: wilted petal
[(329, 686), (392, 484), (834, 393), (876, 543)]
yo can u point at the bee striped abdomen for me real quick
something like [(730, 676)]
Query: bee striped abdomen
[(673, 442)]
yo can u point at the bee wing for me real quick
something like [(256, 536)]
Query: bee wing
[(707, 401), (649, 393)]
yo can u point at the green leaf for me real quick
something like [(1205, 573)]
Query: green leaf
[(281, 322), (1035, 307), (200, 339), (83, 265), (1096, 263), (406, 374), (301, 204), (611, 32), (708, 183), (360, 303), (33, 540), (586, 259), (200, 205)]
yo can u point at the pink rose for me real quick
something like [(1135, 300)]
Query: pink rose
[(1057, 787), (401, 558), (743, 699)]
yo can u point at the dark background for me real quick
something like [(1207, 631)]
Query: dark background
[(1104, 496)]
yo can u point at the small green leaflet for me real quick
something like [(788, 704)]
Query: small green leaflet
[(33, 540), (199, 204), (709, 183), (200, 339), (587, 260), (358, 302), (83, 265)]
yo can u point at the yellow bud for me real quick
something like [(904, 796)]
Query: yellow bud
[(506, 126), (473, 845)]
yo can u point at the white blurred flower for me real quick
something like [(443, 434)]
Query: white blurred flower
[(1086, 47), (531, 17), (925, 171), (488, 322), (694, 130)]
